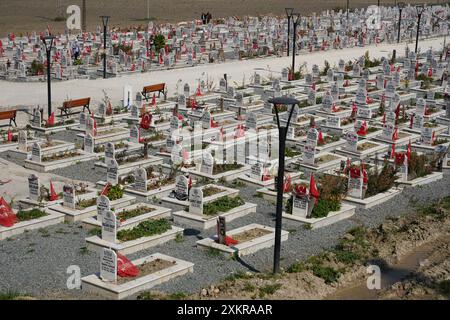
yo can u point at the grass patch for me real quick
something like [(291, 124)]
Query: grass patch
[(11, 295), (144, 229), (269, 289), (84, 250), (26, 215), (179, 238), (213, 252), (248, 287), (444, 287), (95, 232), (223, 204), (128, 214)]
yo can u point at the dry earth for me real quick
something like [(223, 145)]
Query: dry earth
[(397, 245), (34, 15)]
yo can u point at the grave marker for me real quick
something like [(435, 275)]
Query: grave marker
[(196, 201)]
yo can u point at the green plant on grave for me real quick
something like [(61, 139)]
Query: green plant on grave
[(221, 205), (144, 229), (36, 68), (420, 165), (332, 189), (370, 63), (26, 215), (325, 68), (381, 181), (115, 192), (160, 42)]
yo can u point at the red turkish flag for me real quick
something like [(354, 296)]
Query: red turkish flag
[(7, 215), (313, 188), (53, 195)]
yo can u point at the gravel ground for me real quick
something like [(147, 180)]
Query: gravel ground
[(36, 262)]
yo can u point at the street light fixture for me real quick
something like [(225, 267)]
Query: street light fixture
[(105, 20), (48, 42), (296, 19), (289, 12), (420, 8), (282, 132), (400, 7)]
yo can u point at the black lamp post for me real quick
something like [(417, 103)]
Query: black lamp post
[(347, 12), (296, 20), (289, 12), (420, 9), (105, 20), (282, 132), (48, 42), (400, 7)]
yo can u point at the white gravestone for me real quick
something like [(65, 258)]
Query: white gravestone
[(207, 163), (112, 172), (134, 134), (181, 188), (256, 171), (355, 186), (108, 265), (352, 141), (110, 152), (23, 141), (103, 205), (69, 196), (34, 187), (309, 154), (109, 227), (36, 153), (140, 179), (196, 201), (89, 143)]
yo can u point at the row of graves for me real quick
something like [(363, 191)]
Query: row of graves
[(362, 132), (187, 44)]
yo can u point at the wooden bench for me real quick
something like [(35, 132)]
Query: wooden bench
[(9, 115), (153, 88), (75, 104)]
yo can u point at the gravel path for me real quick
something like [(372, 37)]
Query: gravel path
[(36, 262)]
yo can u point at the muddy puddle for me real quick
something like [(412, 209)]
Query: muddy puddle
[(389, 274)]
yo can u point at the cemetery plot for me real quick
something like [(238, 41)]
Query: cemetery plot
[(318, 205), (31, 219), (402, 139), (47, 127), (364, 149), (79, 207), (15, 139), (128, 162), (180, 194), (227, 172), (46, 162), (154, 269), (371, 186), (421, 169), (142, 236), (48, 147), (146, 183), (324, 143), (201, 215), (250, 239), (322, 162), (130, 216), (263, 174), (345, 212), (108, 134)]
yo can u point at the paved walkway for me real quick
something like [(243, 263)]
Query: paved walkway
[(30, 94)]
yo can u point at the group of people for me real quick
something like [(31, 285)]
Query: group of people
[(206, 17)]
